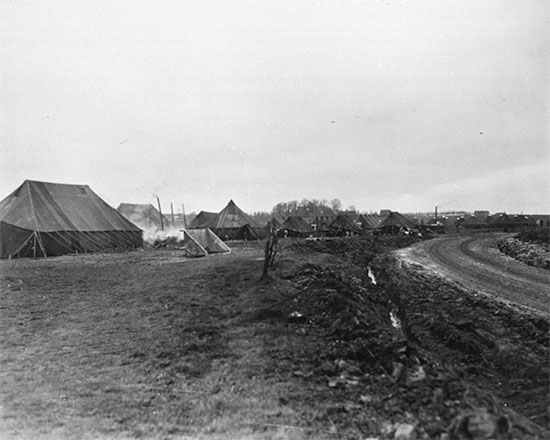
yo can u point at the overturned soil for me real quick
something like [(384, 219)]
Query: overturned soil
[(531, 247), (150, 344)]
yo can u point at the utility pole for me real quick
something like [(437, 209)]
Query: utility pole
[(184, 220), (160, 211)]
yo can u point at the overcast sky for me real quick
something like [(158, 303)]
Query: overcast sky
[(382, 104)]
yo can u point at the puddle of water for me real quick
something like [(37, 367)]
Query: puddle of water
[(371, 275), (395, 322)]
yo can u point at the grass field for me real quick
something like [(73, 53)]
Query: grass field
[(150, 344)]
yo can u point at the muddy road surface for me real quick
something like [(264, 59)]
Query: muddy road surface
[(476, 262)]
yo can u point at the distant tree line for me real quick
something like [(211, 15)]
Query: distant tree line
[(307, 208)]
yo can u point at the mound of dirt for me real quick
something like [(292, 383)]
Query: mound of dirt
[(530, 249), (429, 353)]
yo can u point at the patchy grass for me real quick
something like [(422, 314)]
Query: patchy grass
[(149, 344)]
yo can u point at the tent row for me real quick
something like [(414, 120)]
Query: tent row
[(498, 221), (342, 225), (41, 219)]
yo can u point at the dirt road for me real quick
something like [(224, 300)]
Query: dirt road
[(475, 262)]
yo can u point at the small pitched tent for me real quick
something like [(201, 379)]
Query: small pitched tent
[(201, 219), (501, 221), (232, 223), (147, 217), (471, 222), (48, 219), (207, 240), (524, 220), (342, 225), (395, 222), (369, 221), (295, 226)]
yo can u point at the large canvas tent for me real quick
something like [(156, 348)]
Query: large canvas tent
[(232, 223), (369, 221), (342, 225), (147, 217), (201, 219), (47, 219), (471, 222), (394, 222), (295, 226)]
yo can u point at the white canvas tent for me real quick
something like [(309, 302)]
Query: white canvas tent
[(201, 242)]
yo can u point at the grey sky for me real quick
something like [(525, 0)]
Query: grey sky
[(383, 104)]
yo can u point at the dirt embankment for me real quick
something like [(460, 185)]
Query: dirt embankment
[(454, 357), (495, 356), (529, 247)]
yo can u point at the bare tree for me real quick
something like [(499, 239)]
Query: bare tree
[(270, 252), (336, 205)]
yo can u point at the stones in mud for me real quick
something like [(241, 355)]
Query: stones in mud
[(366, 399), (410, 376), (533, 254), (347, 368), (403, 431), (296, 317), (398, 370), (398, 431), (415, 374), (349, 374), (479, 424)]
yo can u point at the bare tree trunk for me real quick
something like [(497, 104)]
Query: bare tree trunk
[(270, 251)]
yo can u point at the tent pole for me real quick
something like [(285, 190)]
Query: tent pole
[(36, 233), (160, 211), (172, 211), (34, 245), (184, 220), (42, 247)]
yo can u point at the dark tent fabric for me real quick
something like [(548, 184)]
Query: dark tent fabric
[(47, 219), (232, 223), (524, 220), (394, 222), (201, 219), (295, 226), (341, 225), (369, 221), (146, 217), (471, 222)]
